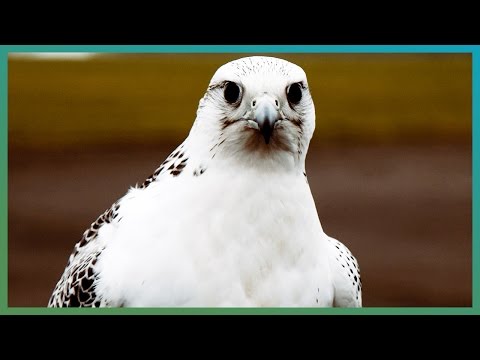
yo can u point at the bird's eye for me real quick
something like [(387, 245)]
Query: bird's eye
[(294, 93), (231, 92)]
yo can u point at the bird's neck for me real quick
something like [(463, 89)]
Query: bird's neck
[(238, 156), (261, 161)]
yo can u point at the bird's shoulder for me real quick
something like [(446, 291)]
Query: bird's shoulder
[(76, 287), (174, 165), (345, 274)]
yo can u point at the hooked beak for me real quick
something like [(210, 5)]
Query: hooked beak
[(266, 114)]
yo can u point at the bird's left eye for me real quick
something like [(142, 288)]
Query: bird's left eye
[(294, 93), (231, 92)]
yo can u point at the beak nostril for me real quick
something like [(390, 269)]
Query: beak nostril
[(254, 102), (276, 102)]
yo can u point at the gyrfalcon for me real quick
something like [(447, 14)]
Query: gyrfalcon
[(228, 219)]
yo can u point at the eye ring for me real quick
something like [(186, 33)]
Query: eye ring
[(294, 93), (231, 92)]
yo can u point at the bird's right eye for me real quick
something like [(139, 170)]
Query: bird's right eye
[(231, 92)]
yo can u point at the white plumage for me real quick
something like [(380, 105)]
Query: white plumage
[(228, 219)]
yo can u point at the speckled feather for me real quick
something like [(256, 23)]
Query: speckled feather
[(347, 281), (76, 287)]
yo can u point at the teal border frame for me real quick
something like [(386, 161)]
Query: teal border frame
[(474, 50)]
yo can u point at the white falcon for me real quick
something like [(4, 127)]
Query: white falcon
[(228, 219)]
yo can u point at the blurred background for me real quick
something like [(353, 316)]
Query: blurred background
[(389, 165)]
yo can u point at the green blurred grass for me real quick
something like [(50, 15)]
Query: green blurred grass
[(152, 98)]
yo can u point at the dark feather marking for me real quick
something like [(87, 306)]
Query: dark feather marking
[(226, 122), (199, 171), (178, 153), (76, 287), (71, 290)]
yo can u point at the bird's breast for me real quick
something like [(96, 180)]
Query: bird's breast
[(220, 241)]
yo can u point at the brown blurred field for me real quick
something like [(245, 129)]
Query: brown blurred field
[(389, 166)]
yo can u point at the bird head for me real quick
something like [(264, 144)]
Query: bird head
[(257, 106)]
